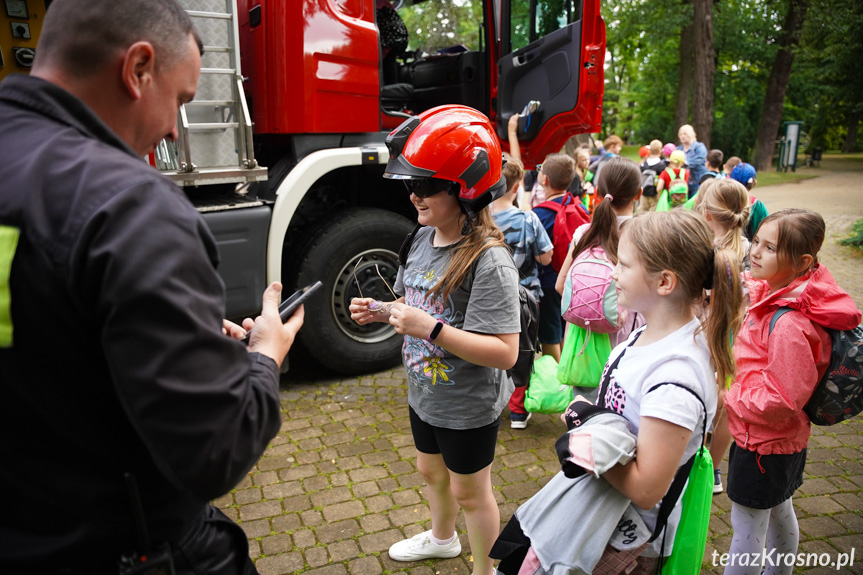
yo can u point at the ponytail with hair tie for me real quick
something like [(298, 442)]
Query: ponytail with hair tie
[(610, 197)]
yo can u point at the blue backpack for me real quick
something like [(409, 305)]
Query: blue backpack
[(839, 394)]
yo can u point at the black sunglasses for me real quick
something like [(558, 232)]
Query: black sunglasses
[(425, 187)]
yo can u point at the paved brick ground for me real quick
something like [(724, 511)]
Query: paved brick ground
[(339, 484)]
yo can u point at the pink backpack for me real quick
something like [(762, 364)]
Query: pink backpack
[(590, 295)]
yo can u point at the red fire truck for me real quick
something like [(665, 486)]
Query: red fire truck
[(282, 150)]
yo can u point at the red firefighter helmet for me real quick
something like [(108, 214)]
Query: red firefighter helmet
[(453, 143)]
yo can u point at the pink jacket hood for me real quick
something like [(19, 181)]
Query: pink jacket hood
[(777, 373), (815, 294)]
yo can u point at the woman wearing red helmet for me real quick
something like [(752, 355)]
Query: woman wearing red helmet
[(459, 313)]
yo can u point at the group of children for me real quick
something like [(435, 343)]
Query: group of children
[(694, 360)]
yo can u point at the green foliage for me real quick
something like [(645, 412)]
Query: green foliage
[(826, 88), (855, 238), (436, 24), (643, 61)]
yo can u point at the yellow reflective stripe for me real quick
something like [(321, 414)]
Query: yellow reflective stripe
[(8, 244)]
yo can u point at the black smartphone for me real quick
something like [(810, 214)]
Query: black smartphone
[(290, 305)]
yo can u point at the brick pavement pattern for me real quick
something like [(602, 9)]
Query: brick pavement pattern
[(339, 484)]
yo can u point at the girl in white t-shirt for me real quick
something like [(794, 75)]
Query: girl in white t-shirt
[(665, 262)]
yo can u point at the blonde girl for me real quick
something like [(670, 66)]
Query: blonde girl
[(459, 314), (582, 162), (725, 206), (666, 260), (777, 371)]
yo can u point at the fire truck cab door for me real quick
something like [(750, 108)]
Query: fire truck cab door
[(544, 73)]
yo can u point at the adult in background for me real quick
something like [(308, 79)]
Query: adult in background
[(114, 357), (696, 156)]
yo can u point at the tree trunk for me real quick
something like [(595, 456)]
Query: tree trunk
[(851, 138), (684, 80), (774, 98), (704, 71)]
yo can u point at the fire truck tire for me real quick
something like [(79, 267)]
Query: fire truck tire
[(329, 335)]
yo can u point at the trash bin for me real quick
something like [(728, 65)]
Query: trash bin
[(816, 154)]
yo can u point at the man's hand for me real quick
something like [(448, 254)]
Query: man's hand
[(270, 337)]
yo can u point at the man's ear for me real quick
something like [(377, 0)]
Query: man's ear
[(138, 68), (666, 282)]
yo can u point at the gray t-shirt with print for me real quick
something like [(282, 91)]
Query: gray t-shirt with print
[(443, 389)]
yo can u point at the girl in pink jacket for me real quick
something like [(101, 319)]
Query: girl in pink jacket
[(776, 375)]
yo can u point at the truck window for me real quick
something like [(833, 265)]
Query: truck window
[(440, 24), (534, 19)]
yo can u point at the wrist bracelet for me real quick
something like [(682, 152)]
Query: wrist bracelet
[(435, 330)]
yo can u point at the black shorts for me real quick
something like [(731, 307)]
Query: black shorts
[(551, 323), (763, 481), (464, 451)]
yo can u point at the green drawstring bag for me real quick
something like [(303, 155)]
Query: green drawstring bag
[(690, 539), (544, 393), (583, 357), (663, 205)]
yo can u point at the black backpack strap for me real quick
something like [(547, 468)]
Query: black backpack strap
[(406, 245), (603, 385), (680, 478), (776, 315)]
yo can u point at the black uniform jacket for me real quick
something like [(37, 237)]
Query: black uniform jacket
[(117, 362)]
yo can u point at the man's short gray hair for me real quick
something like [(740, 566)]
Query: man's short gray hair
[(82, 36)]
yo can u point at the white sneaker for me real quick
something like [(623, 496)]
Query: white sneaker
[(421, 547), (519, 421)]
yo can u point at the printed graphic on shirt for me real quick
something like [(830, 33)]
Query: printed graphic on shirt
[(615, 397), (424, 361)]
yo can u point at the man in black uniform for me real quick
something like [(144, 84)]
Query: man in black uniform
[(114, 357)]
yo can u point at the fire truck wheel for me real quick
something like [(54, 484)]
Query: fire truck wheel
[(371, 237)]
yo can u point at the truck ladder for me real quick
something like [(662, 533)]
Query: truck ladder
[(214, 143)]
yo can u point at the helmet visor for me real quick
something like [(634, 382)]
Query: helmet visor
[(425, 187)]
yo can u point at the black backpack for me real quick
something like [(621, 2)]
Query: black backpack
[(528, 316), (839, 394)]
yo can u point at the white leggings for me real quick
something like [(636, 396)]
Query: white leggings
[(777, 527)]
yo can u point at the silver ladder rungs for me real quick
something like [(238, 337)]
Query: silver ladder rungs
[(230, 71), (214, 125), (210, 103), (216, 15)]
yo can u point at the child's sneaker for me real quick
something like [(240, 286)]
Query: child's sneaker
[(519, 420), (717, 482), (421, 547)]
